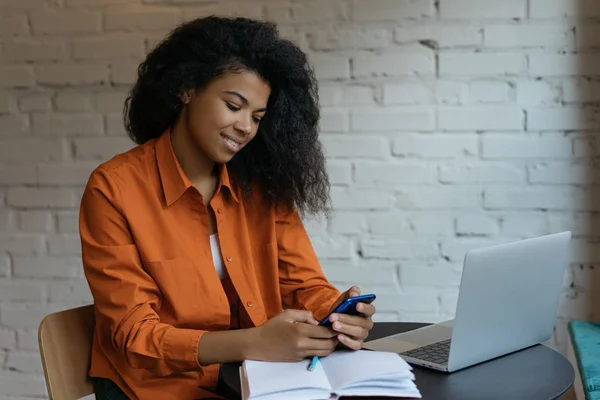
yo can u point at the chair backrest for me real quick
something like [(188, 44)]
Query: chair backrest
[(65, 340)]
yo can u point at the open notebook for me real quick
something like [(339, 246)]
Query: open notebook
[(343, 373)]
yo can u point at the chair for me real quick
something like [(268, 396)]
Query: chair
[(65, 340), (584, 354)]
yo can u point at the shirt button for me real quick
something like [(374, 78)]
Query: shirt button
[(229, 258), (249, 304)]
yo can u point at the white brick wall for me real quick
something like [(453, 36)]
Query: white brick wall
[(448, 125)]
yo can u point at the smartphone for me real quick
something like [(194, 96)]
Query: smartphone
[(348, 306)]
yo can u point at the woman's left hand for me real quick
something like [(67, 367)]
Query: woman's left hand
[(352, 329)]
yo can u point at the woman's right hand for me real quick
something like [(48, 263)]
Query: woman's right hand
[(291, 336)]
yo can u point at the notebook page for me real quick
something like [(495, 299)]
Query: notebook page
[(346, 367), (271, 377), (289, 395), (385, 391)]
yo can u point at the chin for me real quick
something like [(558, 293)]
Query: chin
[(223, 158)]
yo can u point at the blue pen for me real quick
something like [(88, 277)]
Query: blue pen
[(313, 363)]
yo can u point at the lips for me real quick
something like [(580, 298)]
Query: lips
[(233, 144)]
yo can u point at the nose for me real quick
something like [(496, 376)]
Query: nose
[(244, 125)]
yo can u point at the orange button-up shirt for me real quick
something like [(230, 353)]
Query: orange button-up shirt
[(147, 258)]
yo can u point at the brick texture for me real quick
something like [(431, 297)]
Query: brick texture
[(447, 125)]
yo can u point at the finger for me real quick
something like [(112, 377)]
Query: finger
[(318, 353), (366, 309), (320, 344), (349, 342), (353, 331), (316, 332), (356, 320), (299, 316), (318, 347)]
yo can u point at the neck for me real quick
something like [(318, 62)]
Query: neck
[(197, 166)]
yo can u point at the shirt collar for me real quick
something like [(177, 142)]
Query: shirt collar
[(173, 179)]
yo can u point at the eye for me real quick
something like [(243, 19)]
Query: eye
[(256, 120), (232, 107)]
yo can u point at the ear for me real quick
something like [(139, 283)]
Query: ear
[(186, 97)]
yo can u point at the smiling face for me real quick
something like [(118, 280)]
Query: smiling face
[(223, 117)]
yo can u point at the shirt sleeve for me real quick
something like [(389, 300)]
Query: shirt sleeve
[(302, 282), (126, 298)]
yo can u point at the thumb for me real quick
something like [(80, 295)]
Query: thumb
[(353, 291), (300, 316)]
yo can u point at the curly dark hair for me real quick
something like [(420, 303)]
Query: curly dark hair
[(285, 160)]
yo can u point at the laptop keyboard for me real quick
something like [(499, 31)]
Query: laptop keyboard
[(436, 352)]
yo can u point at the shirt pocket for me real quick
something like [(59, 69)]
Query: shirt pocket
[(186, 294)]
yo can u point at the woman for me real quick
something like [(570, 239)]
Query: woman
[(192, 242)]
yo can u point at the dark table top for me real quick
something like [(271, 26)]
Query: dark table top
[(537, 372)]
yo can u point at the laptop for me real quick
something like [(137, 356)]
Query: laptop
[(508, 300)]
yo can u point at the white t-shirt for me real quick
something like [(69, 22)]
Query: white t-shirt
[(216, 256)]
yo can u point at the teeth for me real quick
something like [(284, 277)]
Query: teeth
[(231, 142)]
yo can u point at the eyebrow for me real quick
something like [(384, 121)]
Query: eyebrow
[(244, 100)]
